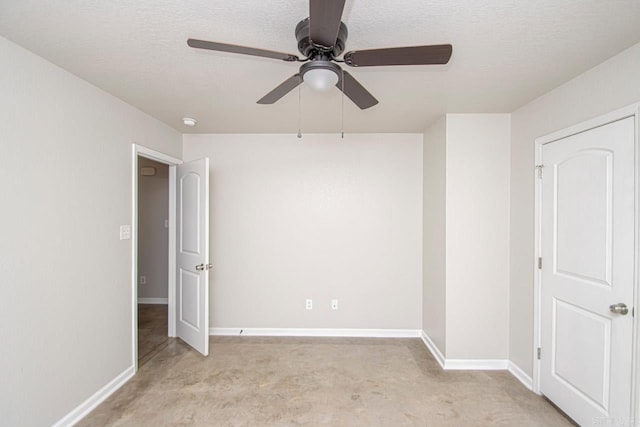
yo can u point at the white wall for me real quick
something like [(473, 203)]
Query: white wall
[(434, 227), (477, 228), (609, 86), (318, 217), (65, 181), (153, 236), (466, 235)]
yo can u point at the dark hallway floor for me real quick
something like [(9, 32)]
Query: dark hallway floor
[(152, 330)]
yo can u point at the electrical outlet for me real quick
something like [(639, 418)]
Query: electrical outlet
[(309, 304), (143, 280), (125, 232), (334, 304)]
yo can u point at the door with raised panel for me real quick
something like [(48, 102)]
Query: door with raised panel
[(587, 226), (192, 254)]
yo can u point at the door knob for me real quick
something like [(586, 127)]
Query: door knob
[(200, 267), (620, 308)]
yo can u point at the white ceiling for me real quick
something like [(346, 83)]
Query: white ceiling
[(505, 53)]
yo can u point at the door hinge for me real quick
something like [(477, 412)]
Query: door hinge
[(539, 170), (539, 263), (539, 353)]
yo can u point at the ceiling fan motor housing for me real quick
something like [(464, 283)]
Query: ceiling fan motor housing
[(309, 50)]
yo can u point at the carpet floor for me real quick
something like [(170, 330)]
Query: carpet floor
[(256, 381)]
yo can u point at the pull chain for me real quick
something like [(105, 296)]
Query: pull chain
[(299, 132), (342, 109)]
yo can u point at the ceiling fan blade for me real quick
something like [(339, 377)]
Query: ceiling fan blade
[(356, 92), (222, 47), (281, 90), (415, 55), (324, 21)]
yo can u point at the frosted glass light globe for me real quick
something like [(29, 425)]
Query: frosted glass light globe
[(320, 79)]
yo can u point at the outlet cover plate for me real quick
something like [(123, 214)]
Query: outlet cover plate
[(125, 232)]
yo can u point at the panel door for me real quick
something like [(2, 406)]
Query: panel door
[(192, 254), (587, 246)]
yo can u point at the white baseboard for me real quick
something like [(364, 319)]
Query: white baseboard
[(462, 364), (97, 398), (476, 364), (435, 351), (521, 375), (153, 300), (316, 332)]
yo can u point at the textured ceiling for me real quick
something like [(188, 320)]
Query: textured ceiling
[(505, 53)]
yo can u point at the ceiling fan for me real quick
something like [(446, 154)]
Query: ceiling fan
[(321, 39)]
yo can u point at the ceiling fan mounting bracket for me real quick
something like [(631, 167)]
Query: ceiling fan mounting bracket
[(310, 50)]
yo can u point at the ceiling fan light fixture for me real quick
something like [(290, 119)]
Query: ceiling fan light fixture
[(320, 75), (320, 79)]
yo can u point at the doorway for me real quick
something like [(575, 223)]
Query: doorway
[(153, 258), (188, 250), (586, 276), (153, 305)]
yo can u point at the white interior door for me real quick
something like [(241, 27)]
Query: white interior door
[(588, 265), (192, 254)]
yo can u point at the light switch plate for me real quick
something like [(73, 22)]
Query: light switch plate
[(125, 232)]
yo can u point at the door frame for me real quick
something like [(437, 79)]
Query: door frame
[(629, 111), (139, 150)]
